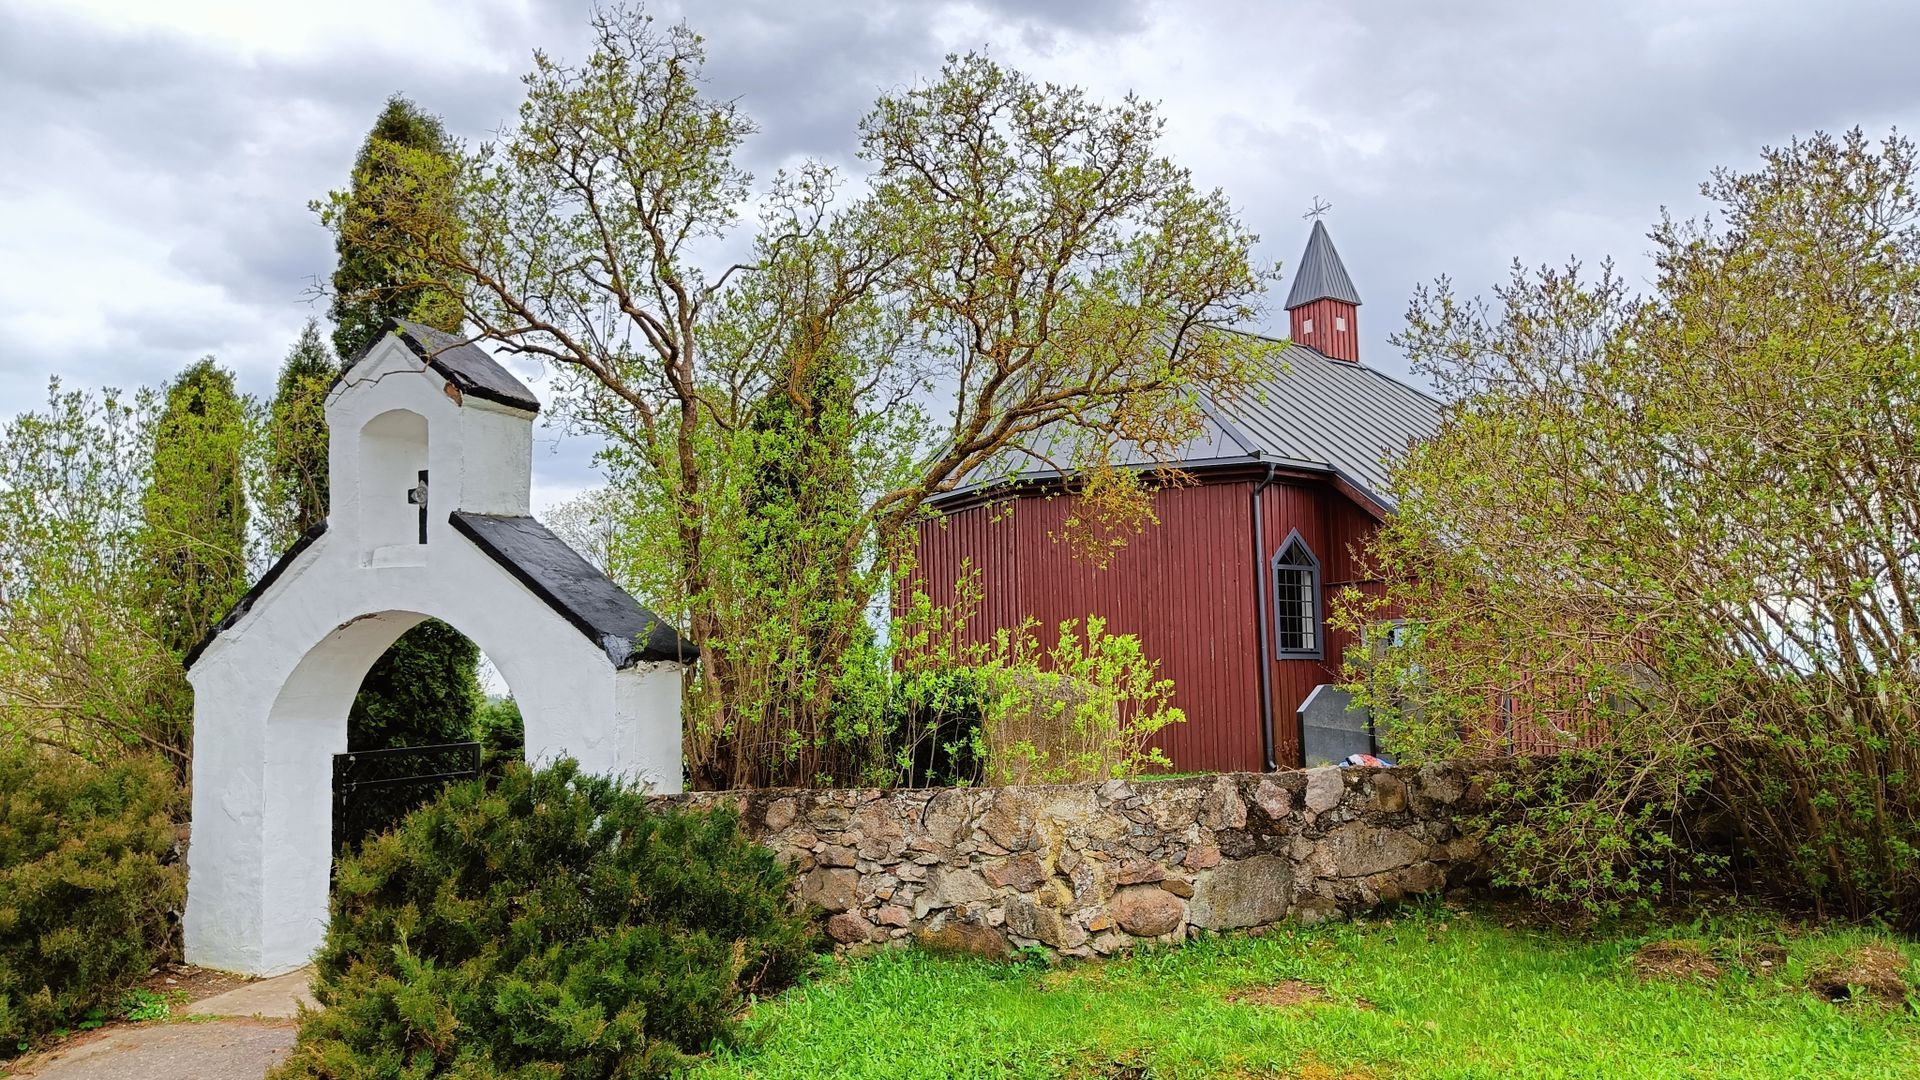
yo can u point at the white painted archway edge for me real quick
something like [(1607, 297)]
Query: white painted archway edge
[(273, 684)]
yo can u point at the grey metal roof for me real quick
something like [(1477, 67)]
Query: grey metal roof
[(1305, 410), (1321, 275), (584, 596), (1317, 412), (465, 365)]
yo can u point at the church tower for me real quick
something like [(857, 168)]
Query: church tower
[(1323, 307)]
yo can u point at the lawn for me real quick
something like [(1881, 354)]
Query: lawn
[(1427, 993)]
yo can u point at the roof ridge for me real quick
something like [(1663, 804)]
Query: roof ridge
[(1360, 364), (457, 359), (1218, 415)]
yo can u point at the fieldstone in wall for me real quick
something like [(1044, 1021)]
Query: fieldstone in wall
[(1389, 795), (1324, 789), (970, 939), (1249, 892), (1148, 911), (1358, 849), (1028, 919), (1024, 873), (848, 928), (780, 814), (1273, 799), (831, 889), (1090, 869)]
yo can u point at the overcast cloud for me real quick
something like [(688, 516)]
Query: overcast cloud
[(159, 157)]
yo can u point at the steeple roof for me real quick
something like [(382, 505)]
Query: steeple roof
[(1321, 275)]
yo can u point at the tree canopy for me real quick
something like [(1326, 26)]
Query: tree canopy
[(295, 498), (1673, 539), (1022, 274), (373, 282)]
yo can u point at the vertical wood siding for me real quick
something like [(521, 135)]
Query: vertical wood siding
[(1286, 508), (1185, 587), (1326, 335)]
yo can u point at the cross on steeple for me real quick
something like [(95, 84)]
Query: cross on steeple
[(1316, 209), (417, 496)]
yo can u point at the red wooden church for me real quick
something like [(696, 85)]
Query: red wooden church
[(1229, 591)]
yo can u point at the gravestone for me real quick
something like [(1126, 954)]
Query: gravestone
[(1332, 727)]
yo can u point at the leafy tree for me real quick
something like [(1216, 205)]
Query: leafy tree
[(375, 281), (1671, 540), (296, 440), (1027, 252), (81, 658), (194, 515)]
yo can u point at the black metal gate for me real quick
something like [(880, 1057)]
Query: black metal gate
[(374, 789)]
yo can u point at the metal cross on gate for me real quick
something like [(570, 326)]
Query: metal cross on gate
[(417, 496)]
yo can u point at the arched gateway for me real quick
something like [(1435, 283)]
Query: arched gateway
[(430, 467)]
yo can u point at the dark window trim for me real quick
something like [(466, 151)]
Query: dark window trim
[(1319, 650)]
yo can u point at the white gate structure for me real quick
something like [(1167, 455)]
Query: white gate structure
[(430, 473)]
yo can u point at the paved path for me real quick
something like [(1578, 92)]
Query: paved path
[(254, 1032), (278, 998)]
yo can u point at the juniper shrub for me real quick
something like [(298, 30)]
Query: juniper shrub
[(545, 924), (88, 883)]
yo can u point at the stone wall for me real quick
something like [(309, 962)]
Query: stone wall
[(1092, 868)]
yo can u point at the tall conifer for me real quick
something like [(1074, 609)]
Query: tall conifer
[(426, 688), (194, 523), (296, 495), (372, 282)]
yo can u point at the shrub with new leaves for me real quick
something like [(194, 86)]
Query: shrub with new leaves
[(549, 924), (1014, 711), (87, 882), (1671, 539), (1081, 710)]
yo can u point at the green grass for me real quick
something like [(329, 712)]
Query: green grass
[(1429, 993)]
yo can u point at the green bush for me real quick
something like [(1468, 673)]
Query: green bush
[(87, 883), (933, 727), (550, 924), (501, 733)]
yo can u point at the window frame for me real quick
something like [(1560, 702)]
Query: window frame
[(1317, 618)]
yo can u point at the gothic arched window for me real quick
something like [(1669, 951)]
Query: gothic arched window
[(1296, 601)]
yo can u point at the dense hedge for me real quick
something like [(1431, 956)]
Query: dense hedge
[(88, 882), (545, 924)]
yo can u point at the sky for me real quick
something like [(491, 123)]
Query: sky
[(159, 158)]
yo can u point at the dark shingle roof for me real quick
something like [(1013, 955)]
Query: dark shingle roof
[(1321, 275), (1305, 410), (465, 365), (570, 585)]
